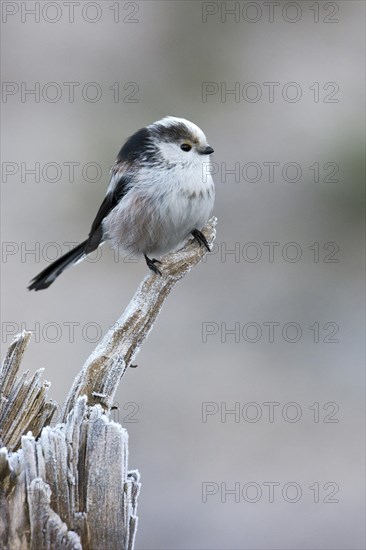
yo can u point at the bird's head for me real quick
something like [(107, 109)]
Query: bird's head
[(180, 142)]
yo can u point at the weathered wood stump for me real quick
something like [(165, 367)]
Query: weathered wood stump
[(68, 486)]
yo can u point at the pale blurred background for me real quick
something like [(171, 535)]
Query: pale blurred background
[(168, 53)]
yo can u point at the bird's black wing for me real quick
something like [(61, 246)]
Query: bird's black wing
[(138, 146), (48, 275), (109, 202)]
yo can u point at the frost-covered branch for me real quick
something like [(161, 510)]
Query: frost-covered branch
[(102, 371), (69, 486), (66, 486)]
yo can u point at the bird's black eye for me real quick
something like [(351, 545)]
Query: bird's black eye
[(185, 147)]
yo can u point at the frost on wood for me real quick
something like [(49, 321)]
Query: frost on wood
[(68, 486), (23, 405), (76, 483), (101, 373)]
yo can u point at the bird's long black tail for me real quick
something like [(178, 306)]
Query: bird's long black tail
[(48, 275)]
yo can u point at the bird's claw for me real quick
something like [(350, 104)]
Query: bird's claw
[(151, 264), (201, 239)]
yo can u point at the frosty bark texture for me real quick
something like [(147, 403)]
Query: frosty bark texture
[(102, 371), (68, 486), (23, 405)]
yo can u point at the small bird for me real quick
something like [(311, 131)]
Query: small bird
[(160, 192)]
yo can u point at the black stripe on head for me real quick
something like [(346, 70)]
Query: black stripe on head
[(139, 147), (174, 132)]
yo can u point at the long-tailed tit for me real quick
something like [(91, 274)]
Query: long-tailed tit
[(160, 192)]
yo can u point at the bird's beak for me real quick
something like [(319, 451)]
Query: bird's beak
[(207, 150)]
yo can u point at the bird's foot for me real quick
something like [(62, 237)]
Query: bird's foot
[(200, 238), (151, 264)]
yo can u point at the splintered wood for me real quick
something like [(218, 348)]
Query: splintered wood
[(69, 488), (67, 484)]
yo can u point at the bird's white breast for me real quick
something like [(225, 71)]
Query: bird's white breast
[(161, 208)]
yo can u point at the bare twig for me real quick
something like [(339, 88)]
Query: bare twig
[(102, 371), (69, 486)]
